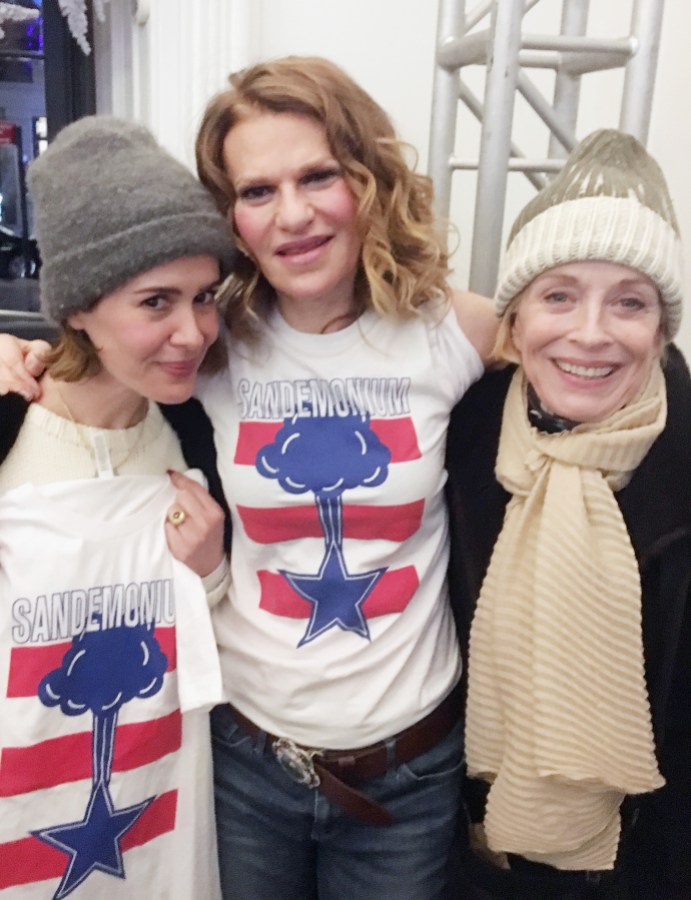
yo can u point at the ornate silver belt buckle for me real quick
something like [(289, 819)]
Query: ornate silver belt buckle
[(296, 761)]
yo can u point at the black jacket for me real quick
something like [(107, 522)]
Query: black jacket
[(190, 422), (656, 506)]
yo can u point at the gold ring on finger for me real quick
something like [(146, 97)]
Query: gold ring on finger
[(177, 516)]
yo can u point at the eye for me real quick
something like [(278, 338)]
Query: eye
[(155, 301), (632, 304), (206, 298), (322, 177), (255, 193), (557, 297)]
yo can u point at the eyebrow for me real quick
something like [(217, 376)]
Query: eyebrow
[(557, 278), (172, 289), (637, 282), (327, 162)]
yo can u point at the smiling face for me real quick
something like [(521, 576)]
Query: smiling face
[(295, 214), (152, 333), (588, 334)]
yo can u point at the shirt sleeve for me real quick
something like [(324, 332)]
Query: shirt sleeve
[(453, 352), (216, 583)]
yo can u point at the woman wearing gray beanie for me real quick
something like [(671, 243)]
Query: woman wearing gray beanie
[(106, 642)]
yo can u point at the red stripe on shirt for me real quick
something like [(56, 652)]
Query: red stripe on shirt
[(397, 434), (68, 758), (387, 523), (30, 859), (157, 819), (391, 594), (28, 665)]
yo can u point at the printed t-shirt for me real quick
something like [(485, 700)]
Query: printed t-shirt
[(337, 631), (107, 668)]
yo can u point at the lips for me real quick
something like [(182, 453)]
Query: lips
[(182, 369), (583, 371), (306, 245)]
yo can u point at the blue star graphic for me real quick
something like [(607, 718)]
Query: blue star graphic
[(94, 843), (336, 596)]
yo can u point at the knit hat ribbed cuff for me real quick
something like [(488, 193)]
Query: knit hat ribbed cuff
[(611, 229), (70, 281)]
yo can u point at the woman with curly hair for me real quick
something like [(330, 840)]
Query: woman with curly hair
[(338, 755)]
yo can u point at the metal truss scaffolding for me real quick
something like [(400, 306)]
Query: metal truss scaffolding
[(491, 35)]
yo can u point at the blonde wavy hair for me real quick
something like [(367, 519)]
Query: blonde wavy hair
[(404, 260)]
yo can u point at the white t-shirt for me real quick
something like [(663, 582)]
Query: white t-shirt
[(107, 668), (337, 631)]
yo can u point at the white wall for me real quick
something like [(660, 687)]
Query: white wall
[(186, 49)]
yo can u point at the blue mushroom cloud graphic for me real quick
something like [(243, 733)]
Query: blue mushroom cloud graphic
[(101, 672), (326, 456)]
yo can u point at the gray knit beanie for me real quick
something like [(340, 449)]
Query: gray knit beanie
[(110, 204), (609, 202)]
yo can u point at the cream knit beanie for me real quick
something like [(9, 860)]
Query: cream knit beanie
[(609, 202)]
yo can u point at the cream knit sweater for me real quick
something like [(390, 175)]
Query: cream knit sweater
[(49, 448)]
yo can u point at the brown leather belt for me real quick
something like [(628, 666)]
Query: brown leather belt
[(335, 771)]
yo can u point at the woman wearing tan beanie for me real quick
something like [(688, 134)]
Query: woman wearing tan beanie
[(570, 501)]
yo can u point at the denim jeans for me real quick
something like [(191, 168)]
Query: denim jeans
[(279, 840)]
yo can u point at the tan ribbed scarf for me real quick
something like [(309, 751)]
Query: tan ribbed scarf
[(558, 715)]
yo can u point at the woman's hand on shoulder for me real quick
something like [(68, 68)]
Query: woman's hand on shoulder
[(478, 320), (21, 364), (197, 540)]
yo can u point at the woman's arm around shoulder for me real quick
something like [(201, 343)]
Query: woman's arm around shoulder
[(476, 316)]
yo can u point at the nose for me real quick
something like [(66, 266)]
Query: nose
[(294, 211), (591, 323), (187, 328)]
